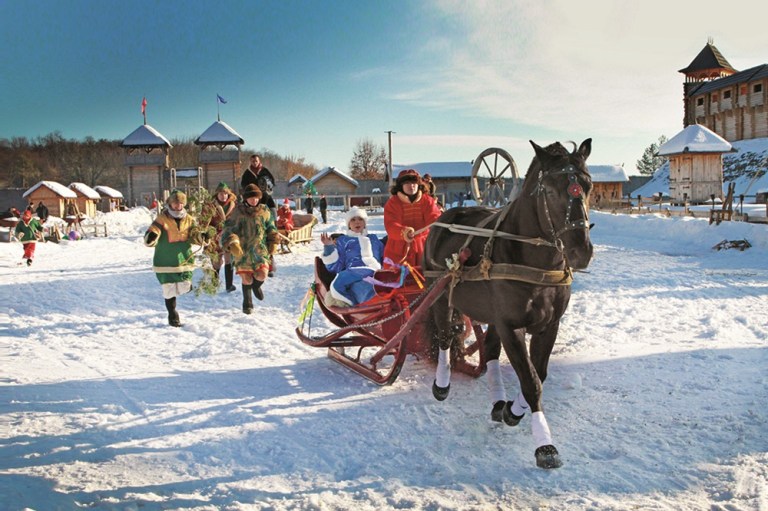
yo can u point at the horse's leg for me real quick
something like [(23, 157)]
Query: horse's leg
[(530, 384), (443, 336), (501, 409)]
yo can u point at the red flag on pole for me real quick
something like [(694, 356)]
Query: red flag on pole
[(144, 106)]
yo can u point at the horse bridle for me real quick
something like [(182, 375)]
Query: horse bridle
[(575, 192)]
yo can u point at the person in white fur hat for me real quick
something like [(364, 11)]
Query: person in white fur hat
[(354, 256)]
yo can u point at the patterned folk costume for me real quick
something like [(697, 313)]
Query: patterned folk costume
[(250, 236)]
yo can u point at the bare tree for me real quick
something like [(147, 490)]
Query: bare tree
[(368, 161)]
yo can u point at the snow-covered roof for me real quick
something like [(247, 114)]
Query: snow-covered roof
[(145, 136), (608, 174), (219, 133), (439, 169), (695, 139), (332, 170), (85, 190), (296, 178), (57, 188), (109, 192)]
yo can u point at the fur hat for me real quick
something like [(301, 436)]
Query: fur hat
[(251, 191), (26, 216), (356, 212), (177, 196), (223, 187), (408, 175), (286, 203)]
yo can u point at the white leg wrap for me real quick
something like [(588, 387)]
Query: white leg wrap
[(443, 371), (520, 406), (495, 382), (540, 429)]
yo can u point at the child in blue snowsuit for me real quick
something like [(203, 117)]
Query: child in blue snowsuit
[(354, 256)]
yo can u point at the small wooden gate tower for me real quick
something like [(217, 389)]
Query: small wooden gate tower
[(148, 164), (220, 156)]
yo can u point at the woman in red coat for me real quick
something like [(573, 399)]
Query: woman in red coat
[(409, 209)]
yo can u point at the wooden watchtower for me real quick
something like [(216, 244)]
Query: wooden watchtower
[(695, 164), (219, 157), (147, 159)]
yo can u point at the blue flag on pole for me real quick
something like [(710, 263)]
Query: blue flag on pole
[(220, 99)]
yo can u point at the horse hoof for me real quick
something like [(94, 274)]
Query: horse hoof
[(502, 412), (510, 419), (548, 457), (440, 393)]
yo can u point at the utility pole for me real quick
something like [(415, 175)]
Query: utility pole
[(391, 170)]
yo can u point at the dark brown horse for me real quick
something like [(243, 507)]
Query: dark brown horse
[(515, 277)]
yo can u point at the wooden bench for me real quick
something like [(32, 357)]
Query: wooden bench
[(94, 229), (301, 233)]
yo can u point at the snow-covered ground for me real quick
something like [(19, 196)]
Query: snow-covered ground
[(656, 395)]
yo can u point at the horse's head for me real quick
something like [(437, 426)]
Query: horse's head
[(561, 182)]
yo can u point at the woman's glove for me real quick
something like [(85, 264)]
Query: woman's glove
[(232, 245)]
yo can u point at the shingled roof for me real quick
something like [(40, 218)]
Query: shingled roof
[(708, 59), (748, 75)]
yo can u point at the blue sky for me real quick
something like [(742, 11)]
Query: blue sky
[(311, 78)]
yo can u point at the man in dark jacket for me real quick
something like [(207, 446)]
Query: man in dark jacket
[(260, 176), (309, 203), (42, 212), (324, 209)]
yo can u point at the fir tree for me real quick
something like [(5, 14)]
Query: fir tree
[(651, 161)]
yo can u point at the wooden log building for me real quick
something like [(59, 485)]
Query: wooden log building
[(695, 164), (731, 103)]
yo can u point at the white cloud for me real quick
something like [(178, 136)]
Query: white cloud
[(607, 68)]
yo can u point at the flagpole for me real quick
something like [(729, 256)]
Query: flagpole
[(218, 108)]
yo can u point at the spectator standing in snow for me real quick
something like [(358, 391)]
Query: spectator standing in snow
[(173, 261), (309, 204), (28, 231), (42, 212), (324, 209), (352, 257), (250, 236)]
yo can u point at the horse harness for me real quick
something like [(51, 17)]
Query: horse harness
[(488, 270)]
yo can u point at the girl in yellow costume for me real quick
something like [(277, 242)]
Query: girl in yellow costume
[(174, 261)]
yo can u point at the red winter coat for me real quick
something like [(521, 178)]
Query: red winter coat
[(285, 219), (400, 213)]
